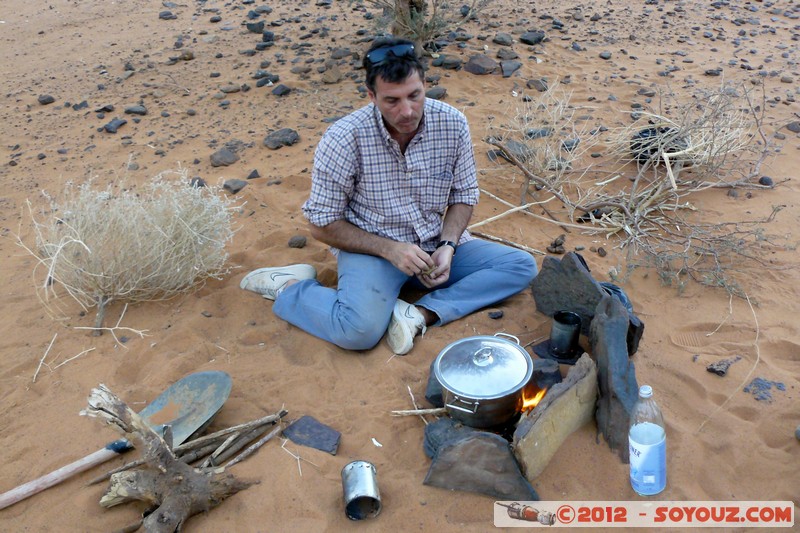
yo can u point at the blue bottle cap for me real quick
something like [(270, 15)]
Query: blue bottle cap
[(645, 391)]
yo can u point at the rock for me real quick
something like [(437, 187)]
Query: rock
[(281, 90), (230, 88), (570, 144), (509, 67), (307, 431), (433, 390), (566, 407), (297, 241), (766, 181), (253, 174), (282, 137), (45, 99), (167, 15), (479, 462), (114, 125), (223, 157), (538, 84), (566, 284), (197, 181), (255, 27), (761, 389), (605, 55), (616, 373), (546, 373), (332, 75), (507, 54), (538, 133), (136, 110), (436, 93), (797, 433), (794, 127), (480, 65), (713, 72), (234, 186), (267, 37), (496, 315), (441, 431), (532, 37), (451, 63), (519, 150), (503, 39), (721, 367)]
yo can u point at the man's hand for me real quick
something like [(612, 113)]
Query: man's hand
[(442, 257), (410, 259)]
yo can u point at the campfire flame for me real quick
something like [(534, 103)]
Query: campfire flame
[(528, 403)]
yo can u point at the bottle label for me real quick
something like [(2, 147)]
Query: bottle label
[(648, 457)]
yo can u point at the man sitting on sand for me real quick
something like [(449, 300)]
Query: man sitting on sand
[(392, 191)]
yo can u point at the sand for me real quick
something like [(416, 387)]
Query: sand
[(723, 443)]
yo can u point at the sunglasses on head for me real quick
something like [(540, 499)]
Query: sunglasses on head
[(382, 54)]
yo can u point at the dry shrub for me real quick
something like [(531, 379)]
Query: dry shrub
[(423, 21), (130, 244), (648, 198)]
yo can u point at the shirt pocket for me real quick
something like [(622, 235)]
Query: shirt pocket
[(435, 191)]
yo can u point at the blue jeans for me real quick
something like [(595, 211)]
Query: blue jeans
[(355, 315)]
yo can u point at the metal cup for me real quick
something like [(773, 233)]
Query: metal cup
[(361, 496), (564, 333)]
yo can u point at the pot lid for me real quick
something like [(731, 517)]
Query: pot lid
[(483, 367)]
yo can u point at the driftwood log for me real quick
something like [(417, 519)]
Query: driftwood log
[(175, 490)]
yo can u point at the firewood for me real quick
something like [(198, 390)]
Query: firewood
[(177, 490)]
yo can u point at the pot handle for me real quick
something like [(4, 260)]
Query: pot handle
[(472, 411), (501, 334)]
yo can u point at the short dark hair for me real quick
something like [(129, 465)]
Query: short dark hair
[(394, 68)]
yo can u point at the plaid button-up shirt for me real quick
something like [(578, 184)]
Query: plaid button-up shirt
[(360, 175)]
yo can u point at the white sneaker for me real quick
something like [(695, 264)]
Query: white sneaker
[(269, 282), (405, 324)]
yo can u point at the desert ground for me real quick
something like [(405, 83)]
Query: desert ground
[(188, 71)]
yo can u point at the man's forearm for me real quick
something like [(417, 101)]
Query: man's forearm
[(350, 238), (455, 221)]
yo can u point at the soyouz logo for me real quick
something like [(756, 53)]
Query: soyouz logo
[(652, 514)]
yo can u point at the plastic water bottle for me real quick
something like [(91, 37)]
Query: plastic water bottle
[(648, 445)]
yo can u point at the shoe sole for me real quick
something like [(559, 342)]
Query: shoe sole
[(399, 332), (301, 271)]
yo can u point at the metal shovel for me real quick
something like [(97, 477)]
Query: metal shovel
[(187, 407)]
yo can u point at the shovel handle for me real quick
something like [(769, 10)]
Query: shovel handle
[(112, 449)]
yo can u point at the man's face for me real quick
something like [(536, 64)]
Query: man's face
[(401, 103)]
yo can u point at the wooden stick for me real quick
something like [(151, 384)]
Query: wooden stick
[(507, 242), (414, 403), (196, 443), (41, 361), (415, 412), (240, 443), (253, 447)]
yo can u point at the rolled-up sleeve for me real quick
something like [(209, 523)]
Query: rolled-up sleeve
[(465, 183), (332, 179)]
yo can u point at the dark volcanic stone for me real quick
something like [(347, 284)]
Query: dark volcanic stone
[(223, 157), (234, 186), (480, 65), (45, 99), (282, 137), (437, 93), (297, 241), (532, 37), (441, 431), (616, 374), (509, 67), (538, 84), (281, 90), (255, 27), (721, 367), (766, 181), (794, 127), (136, 110), (167, 15), (114, 125), (567, 284), (481, 462), (307, 431)]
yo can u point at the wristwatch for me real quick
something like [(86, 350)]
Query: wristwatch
[(451, 244)]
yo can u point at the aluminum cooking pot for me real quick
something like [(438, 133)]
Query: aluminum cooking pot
[(483, 379)]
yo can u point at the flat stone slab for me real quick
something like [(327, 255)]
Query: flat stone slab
[(480, 462), (307, 431)]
